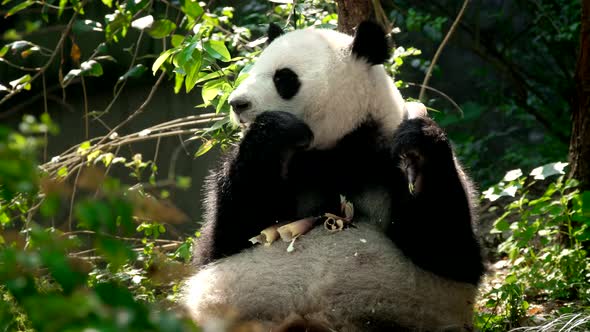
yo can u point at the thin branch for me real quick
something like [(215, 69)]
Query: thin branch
[(19, 67), (85, 96), (440, 48), (72, 158), (137, 111), (86, 232), (46, 111), (120, 89), (442, 94), (48, 63), (73, 198)]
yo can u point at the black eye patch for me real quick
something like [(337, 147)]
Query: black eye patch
[(286, 82)]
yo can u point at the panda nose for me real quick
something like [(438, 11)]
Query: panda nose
[(240, 105)]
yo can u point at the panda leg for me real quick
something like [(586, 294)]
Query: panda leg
[(433, 223), (249, 191)]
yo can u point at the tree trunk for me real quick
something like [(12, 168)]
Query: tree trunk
[(351, 13), (579, 153)]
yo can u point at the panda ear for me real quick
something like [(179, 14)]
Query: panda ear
[(274, 31), (371, 43)]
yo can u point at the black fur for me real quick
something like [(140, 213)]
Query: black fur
[(270, 177), (273, 32), (371, 43), (286, 82)]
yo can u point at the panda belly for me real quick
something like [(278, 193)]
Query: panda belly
[(353, 280)]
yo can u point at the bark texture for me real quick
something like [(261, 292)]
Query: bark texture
[(351, 13), (579, 153)]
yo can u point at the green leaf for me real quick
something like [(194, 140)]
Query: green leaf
[(586, 204), (161, 28), (21, 82), (192, 9), (204, 148), (178, 80), (210, 76), (62, 5), (183, 182), (545, 171), (217, 50), (3, 50), (19, 7), (84, 146), (50, 206), (211, 90), (194, 68), (511, 279), (108, 3), (91, 68), (62, 172), (87, 68), (82, 26), (134, 72), (185, 55), (116, 252), (176, 40), (160, 60)]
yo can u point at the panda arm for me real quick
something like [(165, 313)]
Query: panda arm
[(248, 192), (432, 223)]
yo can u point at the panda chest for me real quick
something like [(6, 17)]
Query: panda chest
[(319, 179)]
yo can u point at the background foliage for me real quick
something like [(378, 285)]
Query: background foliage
[(91, 236)]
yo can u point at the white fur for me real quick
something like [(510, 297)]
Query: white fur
[(334, 85), (341, 278)]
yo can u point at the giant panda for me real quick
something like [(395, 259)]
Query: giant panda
[(324, 119)]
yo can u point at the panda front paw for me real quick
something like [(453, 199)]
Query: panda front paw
[(281, 130), (424, 152)]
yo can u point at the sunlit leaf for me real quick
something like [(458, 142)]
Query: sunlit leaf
[(91, 68), (210, 90), (194, 69), (84, 146), (192, 9), (178, 80), (81, 26), (161, 28), (160, 60), (176, 40), (545, 171), (204, 148), (512, 175), (217, 50), (143, 23), (21, 83), (62, 5), (3, 50)]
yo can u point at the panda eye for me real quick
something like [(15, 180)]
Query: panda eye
[(286, 82)]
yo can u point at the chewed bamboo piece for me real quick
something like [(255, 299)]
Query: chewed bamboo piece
[(292, 230), (335, 223), (267, 236)]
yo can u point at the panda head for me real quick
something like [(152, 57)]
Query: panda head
[(331, 81)]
